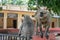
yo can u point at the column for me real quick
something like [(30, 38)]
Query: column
[(57, 23), (5, 21), (19, 21)]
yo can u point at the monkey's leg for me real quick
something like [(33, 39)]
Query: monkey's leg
[(27, 37), (36, 28), (19, 37), (22, 38), (47, 31), (41, 32)]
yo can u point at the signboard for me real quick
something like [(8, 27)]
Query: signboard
[(11, 15)]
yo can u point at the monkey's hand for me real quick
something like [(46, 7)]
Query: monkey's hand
[(20, 34)]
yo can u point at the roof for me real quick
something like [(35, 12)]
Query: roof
[(56, 16)]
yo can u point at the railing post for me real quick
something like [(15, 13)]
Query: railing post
[(15, 38), (10, 37), (1, 37), (19, 38), (6, 37)]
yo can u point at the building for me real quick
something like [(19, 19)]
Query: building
[(13, 18), (56, 21), (14, 7)]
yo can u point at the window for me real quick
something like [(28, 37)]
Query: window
[(22, 15), (1, 15), (52, 24), (32, 15), (1, 20)]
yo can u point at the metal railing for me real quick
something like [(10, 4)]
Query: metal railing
[(9, 37)]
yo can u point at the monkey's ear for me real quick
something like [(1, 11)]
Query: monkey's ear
[(38, 7), (24, 15), (35, 14)]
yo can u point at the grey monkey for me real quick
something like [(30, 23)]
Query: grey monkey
[(42, 19), (27, 28)]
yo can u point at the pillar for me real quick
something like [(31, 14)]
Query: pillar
[(5, 21), (19, 21)]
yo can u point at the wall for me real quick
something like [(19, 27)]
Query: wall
[(19, 18), (20, 13)]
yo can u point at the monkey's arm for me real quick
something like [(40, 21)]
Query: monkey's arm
[(36, 25), (48, 24), (41, 32), (20, 29), (47, 31)]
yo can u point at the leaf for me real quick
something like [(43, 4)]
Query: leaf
[(51, 4)]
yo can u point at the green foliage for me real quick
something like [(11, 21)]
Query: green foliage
[(19, 2), (4, 2), (31, 3), (51, 4), (14, 2), (0, 8)]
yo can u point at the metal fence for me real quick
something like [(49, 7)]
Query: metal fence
[(9, 37)]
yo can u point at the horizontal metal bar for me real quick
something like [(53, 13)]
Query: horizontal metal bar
[(13, 35)]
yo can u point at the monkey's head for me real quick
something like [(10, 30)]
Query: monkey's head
[(41, 13), (28, 21), (26, 17)]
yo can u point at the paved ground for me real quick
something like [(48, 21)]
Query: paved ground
[(58, 38), (51, 38)]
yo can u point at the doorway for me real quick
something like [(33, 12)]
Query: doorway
[(14, 23), (12, 20), (53, 25)]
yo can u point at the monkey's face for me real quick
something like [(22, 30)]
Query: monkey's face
[(43, 14), (27, 18)]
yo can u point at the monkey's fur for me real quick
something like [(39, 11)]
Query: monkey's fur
[(27, 27), (42, 19)]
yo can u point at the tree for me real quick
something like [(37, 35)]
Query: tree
[(50, 4), (13, 2), (31, 4), (4, 2), (18, 2)]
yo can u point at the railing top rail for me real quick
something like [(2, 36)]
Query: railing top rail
[(9, 35)]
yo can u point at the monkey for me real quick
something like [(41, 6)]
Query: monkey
[(27, 28), (42, 17)]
